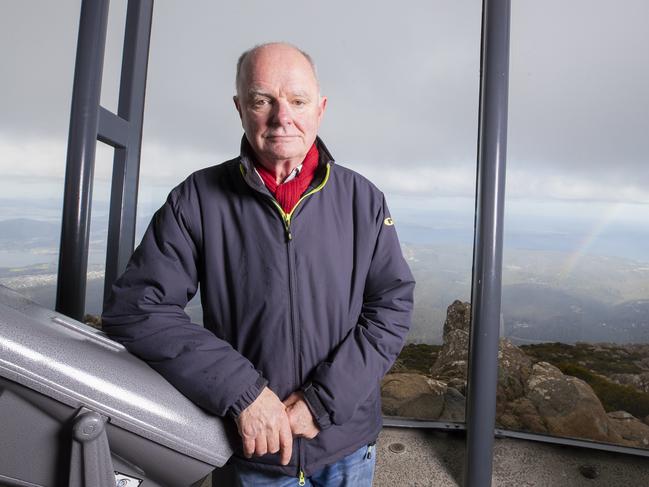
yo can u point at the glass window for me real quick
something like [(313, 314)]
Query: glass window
[(98, 231), (37, 48), (576, 264)]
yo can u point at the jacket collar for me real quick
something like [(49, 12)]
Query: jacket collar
[(253, 179)]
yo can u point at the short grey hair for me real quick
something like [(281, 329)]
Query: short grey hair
[(254, 49)]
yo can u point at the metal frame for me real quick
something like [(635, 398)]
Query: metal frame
[(90, 122), (488, 244), (396, 422)]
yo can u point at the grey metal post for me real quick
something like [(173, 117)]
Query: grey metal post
[(82, 141), (487, 260), (126, 163)]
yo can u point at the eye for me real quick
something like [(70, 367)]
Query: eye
[(299, 103)]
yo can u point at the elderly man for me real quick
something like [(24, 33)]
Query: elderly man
[(306, 295)]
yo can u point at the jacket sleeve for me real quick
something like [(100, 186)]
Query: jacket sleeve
[(145, 312), (338, 386)]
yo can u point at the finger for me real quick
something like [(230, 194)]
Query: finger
[(272, 440), (293, 423), (291, 399), (248, 446), (285, 443), (261, 445)]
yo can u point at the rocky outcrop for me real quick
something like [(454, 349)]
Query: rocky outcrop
[(567, 406), (411, 395), (633, 431), (533, 396), (452, 360)]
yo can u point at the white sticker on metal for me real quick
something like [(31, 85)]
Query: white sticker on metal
[(122, 480)]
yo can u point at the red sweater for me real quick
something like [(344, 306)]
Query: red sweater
[(287, 194)]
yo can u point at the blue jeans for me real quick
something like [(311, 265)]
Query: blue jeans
[(354, 470)]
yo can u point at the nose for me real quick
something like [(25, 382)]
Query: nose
[(281, 113)]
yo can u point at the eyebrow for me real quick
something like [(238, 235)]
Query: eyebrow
[(258, 93), (254, 92)]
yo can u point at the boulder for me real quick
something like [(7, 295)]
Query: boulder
[(567, 406), (527, 416), (452, 359), (413, 396), (454, 406), (631, 429), (514, 371), (533, 397)]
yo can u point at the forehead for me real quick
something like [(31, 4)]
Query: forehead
[(278, 68)]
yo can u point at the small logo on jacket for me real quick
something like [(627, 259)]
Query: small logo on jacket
[(388, 221)]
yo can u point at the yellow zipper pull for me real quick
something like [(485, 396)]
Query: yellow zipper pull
[(287, 226), (302, 480)]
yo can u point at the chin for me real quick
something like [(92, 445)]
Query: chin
[(285, 153)]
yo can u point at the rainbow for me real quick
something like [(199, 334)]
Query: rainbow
[(608, 216)]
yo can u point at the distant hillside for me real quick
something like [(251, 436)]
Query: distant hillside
[(539, 313), (25, 228), (598, 299)]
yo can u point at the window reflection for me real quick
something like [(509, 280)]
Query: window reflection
[(38, 52), (576, 265)]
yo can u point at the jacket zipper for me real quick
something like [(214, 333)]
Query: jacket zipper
[(286, 219), (368, 453), (296, 335)]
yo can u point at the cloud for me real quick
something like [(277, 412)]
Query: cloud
[(402, 81)]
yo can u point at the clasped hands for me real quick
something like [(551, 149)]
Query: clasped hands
[(269, 425)]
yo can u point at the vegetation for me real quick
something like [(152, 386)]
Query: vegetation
[(603, 359), (416, 357), (614, 397)]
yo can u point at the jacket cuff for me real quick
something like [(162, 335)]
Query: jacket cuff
[(317, 408), (248, 397)]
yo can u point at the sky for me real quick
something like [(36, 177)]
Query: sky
[(402, 79)]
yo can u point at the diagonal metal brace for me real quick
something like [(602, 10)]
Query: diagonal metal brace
[(90, 460)]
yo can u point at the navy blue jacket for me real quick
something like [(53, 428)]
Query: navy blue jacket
[(318, 300)]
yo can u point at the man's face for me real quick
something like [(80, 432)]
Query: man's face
[(279, 104)]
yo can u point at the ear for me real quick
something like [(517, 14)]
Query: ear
[(237, 104), (322, 105)]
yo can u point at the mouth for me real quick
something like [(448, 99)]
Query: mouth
[(280, 136)]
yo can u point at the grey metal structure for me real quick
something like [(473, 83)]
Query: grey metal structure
[(90, 122), (77, 409), (487, 256)]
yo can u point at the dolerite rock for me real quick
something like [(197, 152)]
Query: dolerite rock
[(534, 397), (458, 317), (454, 406), (567, 406), (451, 360), (527, 417), (630, 428), (412, 396), (514, 368)]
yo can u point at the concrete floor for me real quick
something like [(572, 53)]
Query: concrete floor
[(433, 458)]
